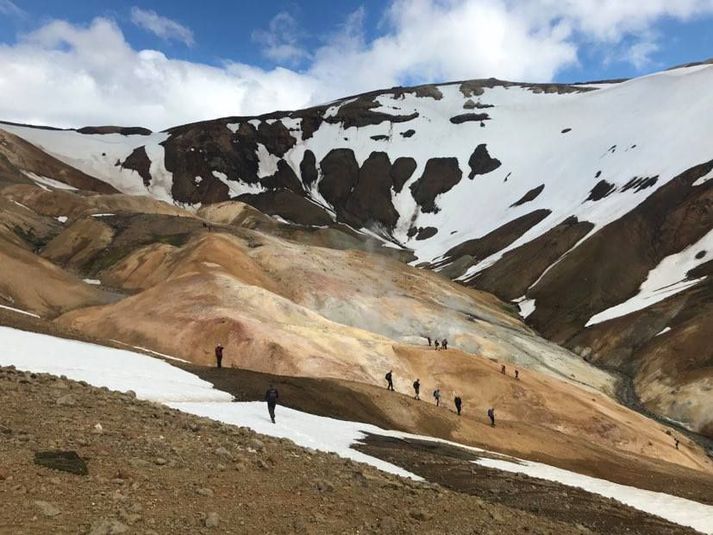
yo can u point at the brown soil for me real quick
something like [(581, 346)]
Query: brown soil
[(154, 470)]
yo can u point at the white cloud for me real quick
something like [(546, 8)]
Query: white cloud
[(7, 7), (281, 40), (163, 27), (69, 75)]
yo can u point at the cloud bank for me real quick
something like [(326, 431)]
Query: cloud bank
[(64, 74)]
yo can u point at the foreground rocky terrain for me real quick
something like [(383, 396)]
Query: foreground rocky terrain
[(152, 469)]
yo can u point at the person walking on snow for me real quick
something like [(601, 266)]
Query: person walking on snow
[(437, 395), (417, 387), (459, 404), (491, 415), (219, 356), (271, 397), (389, 380), (444, 344)]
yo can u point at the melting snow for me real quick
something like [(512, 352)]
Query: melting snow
[(43, 182), (663, 281), (526, 306), (92, 281), (13, 309), (117, 369), (664, 331), (62, 219), (679, 510)]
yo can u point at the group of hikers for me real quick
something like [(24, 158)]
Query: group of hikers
[(457, 400), (443, 344)]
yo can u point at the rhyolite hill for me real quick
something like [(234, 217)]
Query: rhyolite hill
[(587, 205)]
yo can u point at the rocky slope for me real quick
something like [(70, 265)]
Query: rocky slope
[(588, 205), (142, 459)]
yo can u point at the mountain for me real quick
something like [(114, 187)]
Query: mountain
[(587, 205)]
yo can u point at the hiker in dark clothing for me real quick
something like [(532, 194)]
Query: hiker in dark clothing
[(219, 356), (677, 442), (502, 369), (444, 344), (436, 343), (429, 341), (491, 415), (437, 395), (390, 381), (417, 387), (517, 375), (271, 397), (459, 403)]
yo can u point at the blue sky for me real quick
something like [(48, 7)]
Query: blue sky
[(234, 57)]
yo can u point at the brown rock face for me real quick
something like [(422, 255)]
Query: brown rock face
[(290, 206), (480, 248), (439, 176), (401, 171), (340, 173), (370, 200), (308, 168), (520, 268), (666, 222)]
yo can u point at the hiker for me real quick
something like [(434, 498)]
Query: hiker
[(502, 369), (271, 397), (459, 403), (677, 442), (389, 380), (491, 415), (417, 387), (437, 395), (429, 341), (517, 375), (219, 356), (436, 343), (444, 344)]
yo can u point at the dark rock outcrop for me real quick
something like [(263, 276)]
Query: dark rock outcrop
[(529, 196), (401, 171), (600, 190), (370, 200), (467, 117), (439, 176), (481, 162), (340, 173), (308, 168), (290, 206), (139, 161)]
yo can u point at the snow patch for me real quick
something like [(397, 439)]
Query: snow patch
[(663, 281), (679, 510), (62, 219), (664, 331), (526, 306), (704, 178), (92, 281), (19, 311), (44, 181), (117, 369)]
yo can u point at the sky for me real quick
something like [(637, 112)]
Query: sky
[(159, 63)]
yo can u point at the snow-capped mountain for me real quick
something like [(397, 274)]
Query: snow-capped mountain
[(588, 205)]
